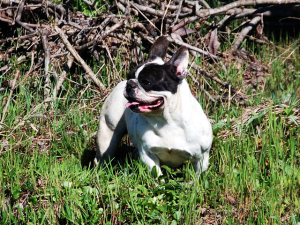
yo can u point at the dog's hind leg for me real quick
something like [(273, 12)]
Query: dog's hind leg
[(108, 139), (112, 125)]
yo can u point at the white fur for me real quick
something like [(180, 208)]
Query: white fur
[(179, 132)]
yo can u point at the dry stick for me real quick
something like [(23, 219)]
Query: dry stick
[(173, 7), (47, 63), (7, 20), (121, 7), (202, 13), (9, 97), (145, 17), (223, 21), (90, 3), (193, 48), (58, 7), (79, 59), (224, 84), (29, 71), (63, 76), (18, 18), (154, 12), (203, 2), (183, 22), (244, 32), (266, 12), (106, 33), (17, 38), (181, 43), (201, 87), (162, 20), (177, 13)]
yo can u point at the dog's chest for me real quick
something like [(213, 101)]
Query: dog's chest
[(172, 143)]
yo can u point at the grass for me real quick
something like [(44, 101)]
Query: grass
[(253, 178)]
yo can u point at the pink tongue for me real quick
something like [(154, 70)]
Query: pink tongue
[(128, 104)]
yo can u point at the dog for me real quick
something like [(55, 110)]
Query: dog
[(156, 108)]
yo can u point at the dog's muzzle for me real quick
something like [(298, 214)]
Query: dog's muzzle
[(130, 86)]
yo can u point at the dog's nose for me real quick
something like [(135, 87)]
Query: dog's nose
[(130, 85)]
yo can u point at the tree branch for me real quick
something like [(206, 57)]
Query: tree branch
[(79, 59), (203, 13)]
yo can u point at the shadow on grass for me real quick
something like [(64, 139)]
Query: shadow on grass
[(124, 151), (127, 153)]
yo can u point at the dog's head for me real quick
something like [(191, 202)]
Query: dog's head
[(154, 82)]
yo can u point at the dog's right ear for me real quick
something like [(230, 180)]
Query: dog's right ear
[(158, 49)]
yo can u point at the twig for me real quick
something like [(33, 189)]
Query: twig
[(18, 38), (203, 2), (181, 43), (18, 18), (79, 59), (203, 13), (177, 13), (244, 32), (90, 3), (202, 89), (100, 38), (63, 76), (47, 87), (163, 18), (28, 72), (224, 84), (9, 97), (183, 22)]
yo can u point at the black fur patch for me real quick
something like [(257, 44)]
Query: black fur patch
[(156, 77)]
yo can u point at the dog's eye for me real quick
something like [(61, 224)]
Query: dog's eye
[(145, 82)]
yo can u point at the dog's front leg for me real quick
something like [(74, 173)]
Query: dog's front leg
[(152, 162)]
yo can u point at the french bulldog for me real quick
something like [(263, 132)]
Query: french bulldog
[(156, 108)]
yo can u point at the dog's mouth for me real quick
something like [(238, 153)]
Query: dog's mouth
[(144, 107)]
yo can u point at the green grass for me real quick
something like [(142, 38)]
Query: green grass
[(253, 178)]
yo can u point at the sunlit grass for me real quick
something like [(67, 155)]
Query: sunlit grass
[(253, 178)]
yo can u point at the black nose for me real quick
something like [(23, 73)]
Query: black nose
[(130, 85)]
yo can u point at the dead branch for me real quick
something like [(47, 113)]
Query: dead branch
[(29, 71), (63, 76), (201, 87), (47, 86), (19, 39), (79, 59), (181, 43), (17, 75), (203, 2), (203, 13), (92, 4), (19, 15), (100, 38), (224, 84), (146, 19), (244, 32)]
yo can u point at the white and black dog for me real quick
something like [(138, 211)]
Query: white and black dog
[(157, 109)]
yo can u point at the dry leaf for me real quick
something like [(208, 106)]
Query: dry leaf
[(214, 44)]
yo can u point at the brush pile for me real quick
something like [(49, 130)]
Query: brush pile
[(53, 36)]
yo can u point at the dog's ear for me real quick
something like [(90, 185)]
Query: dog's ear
[(180, 61), (158, 49)]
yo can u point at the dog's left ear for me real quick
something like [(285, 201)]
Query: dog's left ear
[(180, 61), (158, 49)]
